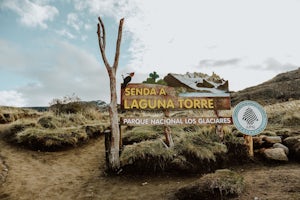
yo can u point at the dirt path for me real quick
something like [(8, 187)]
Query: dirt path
[(272, 182), (49, 175), (79, 174), (74, 174)]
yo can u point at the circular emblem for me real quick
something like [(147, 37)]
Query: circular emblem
[(249, 117)]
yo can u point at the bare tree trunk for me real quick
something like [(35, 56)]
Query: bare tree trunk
[(112, 140)]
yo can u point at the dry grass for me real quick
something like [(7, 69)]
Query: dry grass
[(284, 114), (51, 132), (43, 139), (195, 149), (139, 134), (11, 114), (147, 155), (196, 146), (291, 119), (222, 184)]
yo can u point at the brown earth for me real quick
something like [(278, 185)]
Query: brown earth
[(80, 174)]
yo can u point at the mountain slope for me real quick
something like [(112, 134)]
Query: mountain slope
[(283, 87)]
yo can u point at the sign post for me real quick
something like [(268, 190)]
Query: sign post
[(249, 118)]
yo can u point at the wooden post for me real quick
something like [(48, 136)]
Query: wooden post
[(249, 143), (168, 132), (107, 135), (120, 142), (219, 128)]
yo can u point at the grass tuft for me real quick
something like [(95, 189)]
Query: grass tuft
[(222, 184), (146, 155), (139, 134)]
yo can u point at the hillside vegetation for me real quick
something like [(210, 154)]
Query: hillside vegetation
[(283, 87), (65, 125)]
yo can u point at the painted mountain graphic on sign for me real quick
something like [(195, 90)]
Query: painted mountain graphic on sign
[(198, 84)]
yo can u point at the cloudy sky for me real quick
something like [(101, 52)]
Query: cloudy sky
[(49, 49)]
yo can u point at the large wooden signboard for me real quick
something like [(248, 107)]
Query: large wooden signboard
[(160, 97)]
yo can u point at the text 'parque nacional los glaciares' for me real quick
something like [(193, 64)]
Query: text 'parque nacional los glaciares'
[(134, 121), (153, 97)]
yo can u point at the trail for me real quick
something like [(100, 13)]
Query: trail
[(75, 174), (49, 175)]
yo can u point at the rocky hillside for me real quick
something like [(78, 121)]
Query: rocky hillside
[(283, 87)]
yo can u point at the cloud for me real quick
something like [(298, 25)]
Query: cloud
[(65, 32), (12, 98), (88, 26), (219, 63), (69, 69), (111, 8), (31, 13), (274, 65), (73, 21), (54, 73), (11, 56)]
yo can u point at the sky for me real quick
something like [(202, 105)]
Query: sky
[(49, 49)]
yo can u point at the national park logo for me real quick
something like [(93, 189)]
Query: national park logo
[(249, 118)]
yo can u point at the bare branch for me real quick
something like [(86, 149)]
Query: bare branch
[(102, 42), (103, 30), (116, 61)]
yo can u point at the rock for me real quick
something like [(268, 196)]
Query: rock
[(279, 145), (3, 171), (277, 154), (293, 143), (145, 183), (257, 142), (272, 139)]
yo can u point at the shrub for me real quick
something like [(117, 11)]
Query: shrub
[(47, 122), (291, 119), (52, 133), (197, 147), (41, 139), (146, 156), (10, 131), (68, 108), (139, 134), (11, 114), (219, 185), (192, 151)]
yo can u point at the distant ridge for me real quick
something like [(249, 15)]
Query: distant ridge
[(102, 105), (283, 87)]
